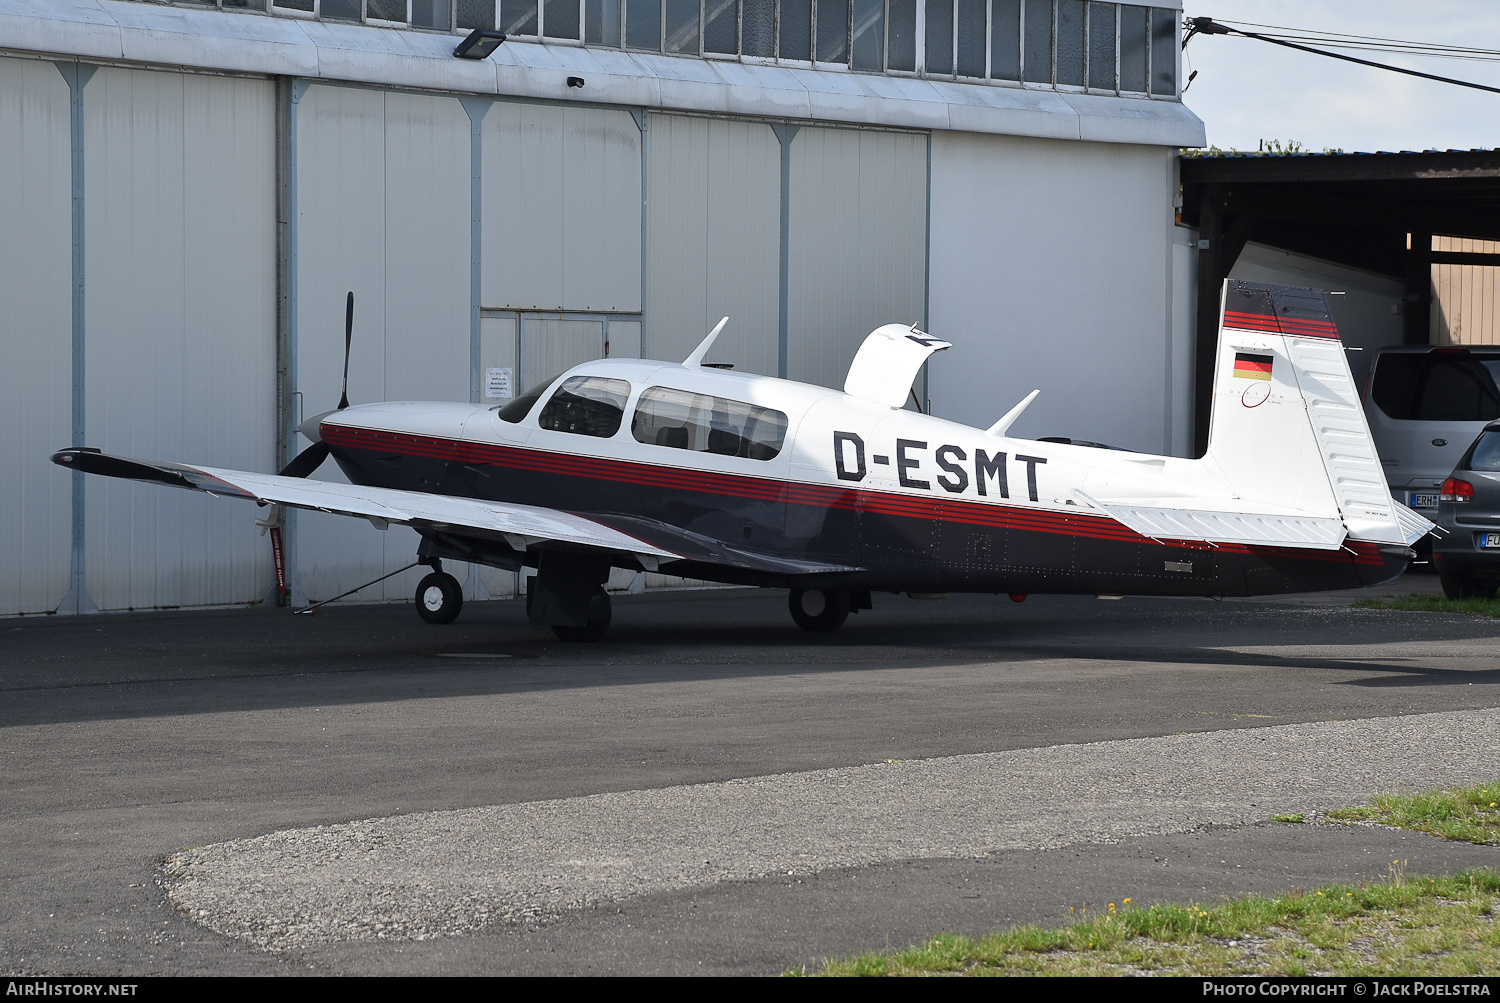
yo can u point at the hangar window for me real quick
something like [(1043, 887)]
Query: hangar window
[(1094, 44), (1133, 47), (518, 17), (473, 14), (586, 405), (1163, 52), (1005, 40), (1102, 44), (868, 52), (706, 424)]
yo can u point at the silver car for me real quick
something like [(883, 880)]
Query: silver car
[(1467, 553), (1425, 406)]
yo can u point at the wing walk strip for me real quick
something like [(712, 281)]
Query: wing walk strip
[(1092, 525)]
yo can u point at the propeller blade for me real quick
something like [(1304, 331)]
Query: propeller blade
[(307, 461), (348, 341)]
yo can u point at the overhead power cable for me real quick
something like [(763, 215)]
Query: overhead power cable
[(1208, 26), (1370, 43)]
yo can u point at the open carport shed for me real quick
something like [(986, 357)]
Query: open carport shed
[(1376, 211)]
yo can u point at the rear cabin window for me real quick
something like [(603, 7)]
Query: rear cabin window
[(1486, 454), (705, 424), (1438, 386), (586, 405)]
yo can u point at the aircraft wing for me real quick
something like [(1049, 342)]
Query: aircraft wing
[(522, 527)]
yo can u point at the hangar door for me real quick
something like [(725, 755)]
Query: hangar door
[(713, 239), (35, 335), (382, 200), (519, 349), (857, 244), (180, 327)]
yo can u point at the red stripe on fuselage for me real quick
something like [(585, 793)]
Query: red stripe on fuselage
[(1082, 523)]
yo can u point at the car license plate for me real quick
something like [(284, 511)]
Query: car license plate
[(1425, 499), (1490, 540)]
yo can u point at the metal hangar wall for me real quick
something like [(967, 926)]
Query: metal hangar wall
[(191, 191)]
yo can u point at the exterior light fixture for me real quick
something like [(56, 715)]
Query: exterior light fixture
[(481, 44)]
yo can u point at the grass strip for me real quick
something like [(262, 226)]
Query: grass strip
[(1468, 814), (1434, 604), (1400, 926)]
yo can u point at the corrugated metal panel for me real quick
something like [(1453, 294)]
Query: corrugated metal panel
[(1466, 298), (35, 335), (551, 346), (857, 254), (713, 240), (1049, 260), (562, 209), (180, 299), (624, 338), (341, 238), (427, 249), (383, 209)]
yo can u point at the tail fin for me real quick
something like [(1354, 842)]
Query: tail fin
[(1287, 428)]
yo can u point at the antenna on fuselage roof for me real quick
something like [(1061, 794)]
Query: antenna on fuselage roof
[(1003, 425), (696, 359)]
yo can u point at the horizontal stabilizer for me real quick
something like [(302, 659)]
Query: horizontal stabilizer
[(1215, 525)]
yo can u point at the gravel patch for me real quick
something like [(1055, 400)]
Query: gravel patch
[(442, 873)]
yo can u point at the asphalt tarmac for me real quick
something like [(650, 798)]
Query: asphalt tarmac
[(128, 738)]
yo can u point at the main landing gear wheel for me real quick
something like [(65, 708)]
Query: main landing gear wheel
[(439, 598), (815, 609), (599, 616)]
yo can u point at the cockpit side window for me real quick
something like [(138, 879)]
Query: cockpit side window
[(586, 405), (704, 424), (517, 410)]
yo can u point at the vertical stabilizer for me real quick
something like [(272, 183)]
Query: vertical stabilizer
[(1287, 426)]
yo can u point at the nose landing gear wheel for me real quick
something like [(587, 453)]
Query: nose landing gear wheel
[(439, 598), (815, 609), (599, 617)]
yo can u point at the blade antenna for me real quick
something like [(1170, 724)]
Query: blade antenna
[(696, 359), (348, 341)]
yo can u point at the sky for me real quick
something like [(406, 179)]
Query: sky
[(1248, 90)]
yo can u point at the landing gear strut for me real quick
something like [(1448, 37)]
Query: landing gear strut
[(598, 623), (568, 595)]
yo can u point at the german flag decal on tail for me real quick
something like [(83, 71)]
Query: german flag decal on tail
[(1252, 367)]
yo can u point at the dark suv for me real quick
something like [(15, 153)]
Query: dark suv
[(1467, 555)]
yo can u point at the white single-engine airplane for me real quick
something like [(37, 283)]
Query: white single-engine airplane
[(697, 471)]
